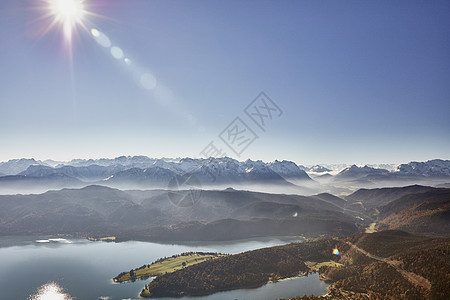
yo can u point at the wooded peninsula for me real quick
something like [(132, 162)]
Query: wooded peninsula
[(166, 265), (362, 266)]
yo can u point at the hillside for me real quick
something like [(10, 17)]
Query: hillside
[(427, 212), (152, 215), (246, 270), (220, 214), (381, 264), (388, 263), (373, 198)]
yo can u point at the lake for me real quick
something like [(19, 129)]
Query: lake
[(70, 268)]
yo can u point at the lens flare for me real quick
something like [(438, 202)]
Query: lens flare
[(116, 52), (95, 33), (336, 252)]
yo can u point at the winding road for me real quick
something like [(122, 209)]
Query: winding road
[(410, 276)]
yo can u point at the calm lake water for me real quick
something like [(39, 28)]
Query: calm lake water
[(82, 269)]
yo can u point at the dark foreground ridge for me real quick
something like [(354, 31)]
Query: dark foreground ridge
[(373, 265)]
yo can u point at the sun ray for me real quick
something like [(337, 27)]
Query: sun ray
[(68, 17), (68, 14)]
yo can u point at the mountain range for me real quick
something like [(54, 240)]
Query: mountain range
[(141, 172), (430, 169)]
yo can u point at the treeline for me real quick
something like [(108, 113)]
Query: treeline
[(246, 270), (391, 242), (378, 279), (184, 254), (426, 257), (134, 274), (433, 264)]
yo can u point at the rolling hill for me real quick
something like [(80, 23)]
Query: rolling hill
[(427, 213), (151, 215)]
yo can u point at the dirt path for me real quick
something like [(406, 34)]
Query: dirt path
[(410, 276)]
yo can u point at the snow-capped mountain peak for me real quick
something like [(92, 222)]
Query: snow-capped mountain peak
[(435, 167), (288, 169), (15, 166)]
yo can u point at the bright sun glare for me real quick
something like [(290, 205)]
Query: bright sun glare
[(68, 13)]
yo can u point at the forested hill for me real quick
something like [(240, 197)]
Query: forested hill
[(245, 270), (425, 213), (152, 215), (379, 264)]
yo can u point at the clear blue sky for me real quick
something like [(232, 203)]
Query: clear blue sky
[(357, 81)]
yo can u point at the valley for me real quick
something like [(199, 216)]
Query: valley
[(354, 240), (211, 150)]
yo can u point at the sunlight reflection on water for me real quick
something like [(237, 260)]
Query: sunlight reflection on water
[(55, 240), (50, 291)]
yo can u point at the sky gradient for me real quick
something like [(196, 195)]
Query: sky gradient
[(357, 81)]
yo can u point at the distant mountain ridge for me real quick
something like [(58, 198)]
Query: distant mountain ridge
[(319, 169), (143, 172), (15, 166), (435, 167), (32, 167), (411, 173), (151, 215), (372, 198), (355, 171)]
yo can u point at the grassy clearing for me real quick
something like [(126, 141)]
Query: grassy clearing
[(371, 228), (166, 265), (315, 266)]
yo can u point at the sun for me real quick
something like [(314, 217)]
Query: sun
[(68, 14)]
